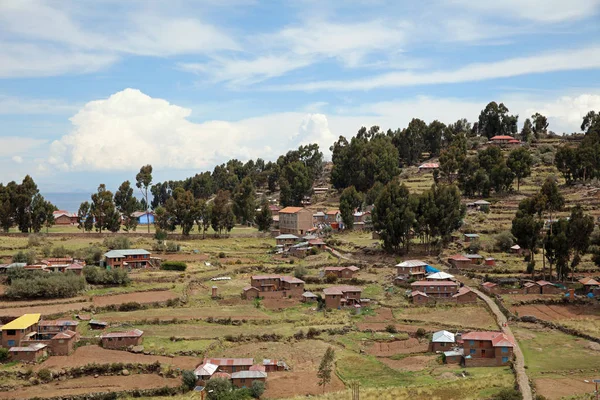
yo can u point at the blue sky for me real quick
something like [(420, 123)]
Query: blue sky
[(90, 91)]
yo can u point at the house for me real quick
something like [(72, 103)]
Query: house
[(274, 209), (454, 356), (428, 167), (516, 249), (465, 295), (308, 297), (487, 349), (244, 379), (548, 287), (228, 365), (132, 258), (62, 217), (589, 284), (418, 297), (56, 326), (75, 268), (272, 365), (96, 325), (295, 220), (121, 340), (319, 217), (411, 269), (286, 240), (58, 344), (470, 237), (29, 354), (531, 288), (342, 272), (333, 216), (337, 297), (440, 276), (317, 243), (482, 205), (490, 261), (501, 139), (17, 329), (273, 286), (441, 341), (475, 258), (207, 370), (144, 217), (438, 289), (459, 261), (490, 287)]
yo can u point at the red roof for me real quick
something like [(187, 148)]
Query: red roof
[(259, 367), (222, 375), (429, 166), (498, 339), (434, 283), (351, 268), (261, 277), (332, 212), (489, 284), (514, 141), (229, 361), (59, 322), (417, 293), (459, 257), (290, 210), (64, 335), (133, 333), (544, 283), (341, 289), (462, 291), (589, 282), (502, 137)]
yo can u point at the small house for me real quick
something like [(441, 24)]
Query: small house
[(548, 287), (531, 288), (440, 276), (470, 237), (127, 258), (454, 356), (28, 354), (475, 258), (62, 217), (516, 249), (17, 329), (459, 261), (490, 287), (319, 217), (317, 243), (342, 272), (244, 379), (589, 284), (441, 341), (411, 269), (59, 325), (230, 365), (490, 262), (144, 217), (482, 205), (418, 297), (502, 139), (121, 340), (337, 297), (439, 289), (487, 349), (286, 240), (273, 365), (97, 325), (465, 296), (428, 167), (308, 297)]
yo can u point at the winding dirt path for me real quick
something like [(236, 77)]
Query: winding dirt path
[(522, 379)]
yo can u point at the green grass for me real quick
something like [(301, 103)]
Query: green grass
[(353, 341), (475, 316)]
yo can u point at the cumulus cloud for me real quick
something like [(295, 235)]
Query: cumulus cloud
[(17, 159), (14, 145), (131, 128)]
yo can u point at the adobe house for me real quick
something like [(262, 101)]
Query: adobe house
[(342, 272), (295, 220), (442, 341), (490, 262), (531, 288), (273, 286), (308, 297), (97, 325), (487, 349), (548, 287), (419, 297), (459, 261), (319, 217), (440, 276), (28, 354), (56, 326), (490, 287), (470, 237), (453, 356), (317, 243), (76, 268), (589, 284), (62, 217), (272, 365), (17, 329), (438, 289), (132, 258), (475, 258), (465, 296), (58, 344), (244, 379), (121, 340), (428, 167), (516, 249), (411, 269), (502, 139), (229, 365), (337, 297), (333, 216), (286, 240), (206, 371)]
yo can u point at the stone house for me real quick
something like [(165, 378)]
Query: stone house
[(337, 297), (438, 289), (121, 340), (341, 272)]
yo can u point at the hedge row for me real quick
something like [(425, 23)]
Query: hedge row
[(173, 266)]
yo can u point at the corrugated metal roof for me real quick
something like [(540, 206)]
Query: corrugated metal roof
[(64, 335), (498, 339), (341, 289), (287, 236), (133, 333), (471, 235), (206, 369), (31, 347), (230, 361), (125, 253), (462, 291), (459, 257), (249, 375), (434, 283), (23, 322), (291, 279), (443, 337), (59, 322), (309, 295), (440, 276), (417, 293), (412, 263)]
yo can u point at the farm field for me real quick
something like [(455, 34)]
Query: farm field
[(585, 319)]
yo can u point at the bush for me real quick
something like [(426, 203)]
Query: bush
[(222, 254), (59, 252), (331, 278), (173, 247), (161, 235), (474, 247), (34, 240), (421, 332), (217, 388), (257, 389), (130, 306), (34, 284), (312, 333), (300, 272), (173, 266), (117, 242), (44, 375), (101, 276), (508, 394), (391, 329), (91, 254), (188, 380), (504, 241), (24, 257), (3, 354), (46, 250)]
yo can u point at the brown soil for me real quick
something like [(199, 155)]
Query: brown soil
[(139, 297), (94, 354), (387, 349), (557, 312), (290, 384), (85, 385), (184, 257), (44, 310), (382, 315), (276, 304), (381, 326), (557, 388), (411, 363)]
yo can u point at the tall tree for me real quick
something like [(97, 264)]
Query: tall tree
[(40, 211), (496, 120), (85, 217), (433, 137), (264, 217), (7, 212), (527, 225), (127, 204), (540, 125), (164, 221), (184, 209), (326, 367), (143, 180), (102, 208), (204, 216), (243, 201), (349, 202), (579, 231), (394, 216), (222, 217), (519, 161), (527, 131), (553, 202), (295, 183), (410, 141), (23, 197)]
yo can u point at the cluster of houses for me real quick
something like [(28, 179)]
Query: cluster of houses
[(528, 287), (62, 264), (301, 221), (298, 246), (65, 218), (281, 286), (473, 349), (429, 285), (240, 371), (29, 338)]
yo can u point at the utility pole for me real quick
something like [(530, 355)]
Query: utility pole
[(355, 385)]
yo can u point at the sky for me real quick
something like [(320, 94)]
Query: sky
[(91, 91)]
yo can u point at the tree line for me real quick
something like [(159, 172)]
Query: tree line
[(21, 204), (581, 163)]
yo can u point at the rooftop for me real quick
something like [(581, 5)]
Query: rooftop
[(341, 289), (589, 282), (351, 268), (125, 253), (206, 369), (249, 375), (230, 361), (31, 347), (412, 263), (434, 283), (68, 334), (459, 257), (440, 276), (443, 337), (287, 236), (59, 322), (462, 291), (23, 322), (132, 333), (417, 293), (502, 137), (290, 210), (498, 339), (309, 295), (429, 165)]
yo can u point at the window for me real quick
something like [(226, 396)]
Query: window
[(11, 343), (505, 349), (442, 344), (471, 343), (11, 332), (504, 359), (473, 351)]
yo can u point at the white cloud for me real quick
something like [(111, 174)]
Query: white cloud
[(14, 145), (566, 113), (17, 159), (535, 10), (130, 129), (564, 60)]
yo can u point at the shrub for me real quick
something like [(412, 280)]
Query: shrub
[(474, 247), (34, 284), (508, 394), (161, 235), (504, 241), (59, 252), (421, 332), (391, 329), (130, 306), (91, 254), (117, 242), (222, 254), (101, 276), (46, 250), (173, 266), (44, 375), (257, 389), (3, 354), (312, 333), (217, 388), (299, 335), (300, 272), (188, 380), (24, 257), (173, 247), (34, 240), (331, 278)]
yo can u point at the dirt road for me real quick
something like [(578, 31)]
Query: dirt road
[(522, 379)]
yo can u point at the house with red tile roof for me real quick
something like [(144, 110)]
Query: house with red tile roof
[(295, 220), (121, 340), (438, 289), (428, 167), (465, 295), (487, 349), (459, 261), (273, 286), (342, 272)]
